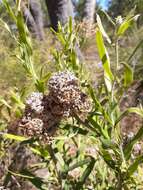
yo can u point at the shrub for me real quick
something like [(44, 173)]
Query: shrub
[(87, 150)]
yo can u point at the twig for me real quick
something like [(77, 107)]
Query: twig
[(53, 157)]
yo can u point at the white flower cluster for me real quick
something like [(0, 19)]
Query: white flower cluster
[(34, 101), (61, 80)]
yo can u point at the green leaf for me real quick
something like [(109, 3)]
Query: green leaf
[(76, 165), (86, 174), (133, 167), (40, 151), (75, 129), (102, 131), (105, 35), (128, 74), (128, 148), (5, 25), (14, 137), (36, 181), (125, 25), (108, 76), (40, 86), (15, 97), (2, 101), (94, 123), (93, 96), (46, 77), (108, 159), (70, 24), (107, 143), (135, 50), (108, 17), (136, 110), (20, 175), (9, 10)]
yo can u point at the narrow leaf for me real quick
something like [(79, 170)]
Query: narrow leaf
[(85, 174), (76, 165), (108, 76), (136, 110), (128, 74), (14, 137), (105, 35), (135, 50), (5, 103), (125, 25), (9, 10), (128, 148), (108, 159), (135, 165)]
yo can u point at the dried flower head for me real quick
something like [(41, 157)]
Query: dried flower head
[(64, 89), (32, 127), (61, 80), (43, 113), (34, 101), (62, 86)]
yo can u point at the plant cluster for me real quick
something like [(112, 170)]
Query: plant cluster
[(89, 150)]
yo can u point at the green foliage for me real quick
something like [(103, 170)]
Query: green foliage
[(123, 7), (109, 164), (108, 77)]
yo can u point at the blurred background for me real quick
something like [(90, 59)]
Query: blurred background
[(41, 15)]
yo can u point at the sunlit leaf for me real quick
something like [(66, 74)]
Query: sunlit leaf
[(14, 137), (108, 76), (40, 151), (105, 35), (2, 101), (125, 25)]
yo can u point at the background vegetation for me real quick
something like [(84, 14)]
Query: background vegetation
[(95, 148)]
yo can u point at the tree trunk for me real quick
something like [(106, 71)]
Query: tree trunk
[(59, 10), (36, 10), (89, 11), (33, 16)]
